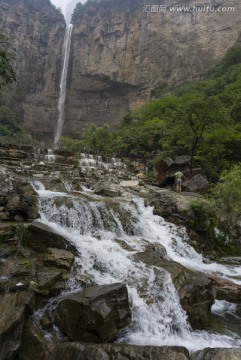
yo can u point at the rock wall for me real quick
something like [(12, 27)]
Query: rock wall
[(36, 29), (121, 54)]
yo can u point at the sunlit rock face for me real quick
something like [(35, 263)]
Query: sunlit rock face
[(36, 29)]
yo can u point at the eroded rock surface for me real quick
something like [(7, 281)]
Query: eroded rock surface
[(14, 308), (95, 314), (195, 290), (73, 351)]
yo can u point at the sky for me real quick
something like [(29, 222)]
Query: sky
[(63, 3)]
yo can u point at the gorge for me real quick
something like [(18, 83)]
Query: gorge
[(102, 256), (119, 57)]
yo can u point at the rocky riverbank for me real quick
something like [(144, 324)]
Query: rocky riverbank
[(51, 306)]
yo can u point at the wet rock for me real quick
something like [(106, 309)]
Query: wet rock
[(107, 191), (217, 354), (7, 231), (40, 237), (34, 344), (157, 248), (124, 245), (49, 283), (73, 351), (95, 314), (129, 183), (54, 184), (226, 290), (23, 187), (195, 290), (16, 268), (59, 258), (197, 184), (14, 309), (167, 203), (24, 206)]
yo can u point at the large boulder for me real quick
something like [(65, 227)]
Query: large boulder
[(109, 191), (195, 290), (34, 345), (226, 290), (167, 168), (73, 351), (197, 184), (59, 258), (95, 314), (14, 309), (217, 354), (40, 237), (22, 207), (49, 282), (168, 203)]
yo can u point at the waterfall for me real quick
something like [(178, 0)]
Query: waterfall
[(99, 230), (62, 96)]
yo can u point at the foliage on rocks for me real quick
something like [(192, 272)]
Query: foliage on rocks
[(219, 215), (226, 196), (200, 119), (7, 55)]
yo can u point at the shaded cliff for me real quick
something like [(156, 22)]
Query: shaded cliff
[(36, 29), (120, 54)]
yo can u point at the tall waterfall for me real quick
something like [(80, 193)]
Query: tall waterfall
[(62, 96), (98, 230)]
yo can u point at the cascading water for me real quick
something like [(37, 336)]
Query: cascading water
[(50, 157), (99, 230), (92, 161), (66, 52)]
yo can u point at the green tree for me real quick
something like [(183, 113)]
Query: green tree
[(227, 199), (10, 129), (97, 139), (191, 122), (7, 55)]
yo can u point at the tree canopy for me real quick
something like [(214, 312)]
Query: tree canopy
[(201, 119)]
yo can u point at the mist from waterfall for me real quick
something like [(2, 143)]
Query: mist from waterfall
[(62, 96)]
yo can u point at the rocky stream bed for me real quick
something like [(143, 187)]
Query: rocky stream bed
[(96, 263)]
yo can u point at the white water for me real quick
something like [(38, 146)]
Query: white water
[(221, 307), (50, 157), (96, 162), (62, 97), (95, 228)]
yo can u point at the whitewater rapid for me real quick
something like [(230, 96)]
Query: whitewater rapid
[(98, 228)]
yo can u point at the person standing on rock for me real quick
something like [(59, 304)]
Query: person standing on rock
[(179, 175)]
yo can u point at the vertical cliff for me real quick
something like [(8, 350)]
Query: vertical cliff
[(120, 54), (36, 29)]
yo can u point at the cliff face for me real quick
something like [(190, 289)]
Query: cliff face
[(120, 54), (36, 30)]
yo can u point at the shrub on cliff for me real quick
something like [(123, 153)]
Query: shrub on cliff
[(7, 55)]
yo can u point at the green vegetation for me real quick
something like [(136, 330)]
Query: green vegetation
[(7, 55), (11, 130), (226, 197), (201, 119), (218, 216)]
